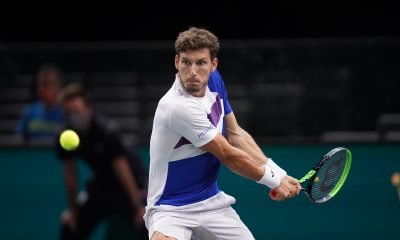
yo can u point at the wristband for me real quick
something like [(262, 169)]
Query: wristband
[(275, 167), (271, 178)]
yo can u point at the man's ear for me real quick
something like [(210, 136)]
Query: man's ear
[(214, 64), (177, 61)]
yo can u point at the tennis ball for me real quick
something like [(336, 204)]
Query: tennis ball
[(316, 179), (69, 140)]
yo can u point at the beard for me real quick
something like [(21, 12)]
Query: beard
[(192, 89), (194, 86)]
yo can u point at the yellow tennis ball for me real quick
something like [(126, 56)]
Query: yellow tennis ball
[(69, 140)]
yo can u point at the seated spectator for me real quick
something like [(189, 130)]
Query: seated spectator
[(41, 120)]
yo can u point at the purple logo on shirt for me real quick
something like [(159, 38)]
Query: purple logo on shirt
[(205, 131)]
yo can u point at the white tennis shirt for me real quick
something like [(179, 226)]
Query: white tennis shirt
[(180, 172)]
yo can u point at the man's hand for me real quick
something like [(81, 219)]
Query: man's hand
[(288, 188), (68, 218), (138, 216)]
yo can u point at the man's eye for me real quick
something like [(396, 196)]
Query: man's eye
[(186, 62)]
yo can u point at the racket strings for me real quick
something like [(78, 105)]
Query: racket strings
[(328, 176)]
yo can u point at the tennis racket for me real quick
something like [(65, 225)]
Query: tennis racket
[(327, 177)]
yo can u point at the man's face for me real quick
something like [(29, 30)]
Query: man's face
[(77, 113), (194, 68), (48, 87)]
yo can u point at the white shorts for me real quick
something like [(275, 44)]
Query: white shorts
[(210, 219)]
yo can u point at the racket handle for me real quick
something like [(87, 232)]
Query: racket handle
[(273, 194)]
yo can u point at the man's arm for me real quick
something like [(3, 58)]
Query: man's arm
[(253, 155), (71, 184), (125, 175), (234, 158), (239, 138), (189, 120), (242, 164)]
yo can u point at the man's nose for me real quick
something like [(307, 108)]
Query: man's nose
[(193, 70)]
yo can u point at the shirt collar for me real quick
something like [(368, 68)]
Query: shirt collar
[(178, 86)]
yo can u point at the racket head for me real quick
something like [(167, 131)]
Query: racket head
[(330, 174)]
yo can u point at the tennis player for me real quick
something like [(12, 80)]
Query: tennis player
[(194, 131)]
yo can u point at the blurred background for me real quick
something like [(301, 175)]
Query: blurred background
[(301, 80)]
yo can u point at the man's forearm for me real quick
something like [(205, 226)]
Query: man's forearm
[(240, 162), (243, 140), (71, 184), (234, 158), (72, 190), (127, 180)]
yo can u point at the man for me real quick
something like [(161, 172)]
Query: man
[(42, 119), (194, 130), (119, 182)]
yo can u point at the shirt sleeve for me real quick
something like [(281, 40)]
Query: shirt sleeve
[(218, 85), (189, 120)]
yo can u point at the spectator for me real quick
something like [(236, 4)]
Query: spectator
[(41, 120)]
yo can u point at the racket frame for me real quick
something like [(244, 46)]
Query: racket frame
[(311, 175)]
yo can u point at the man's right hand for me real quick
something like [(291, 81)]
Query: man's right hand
[(289, 187), (68, 217)]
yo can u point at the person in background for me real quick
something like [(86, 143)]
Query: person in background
[(119, 183), (42, 119)]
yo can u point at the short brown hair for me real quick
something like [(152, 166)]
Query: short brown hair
[(196, 38), (72, 91)]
